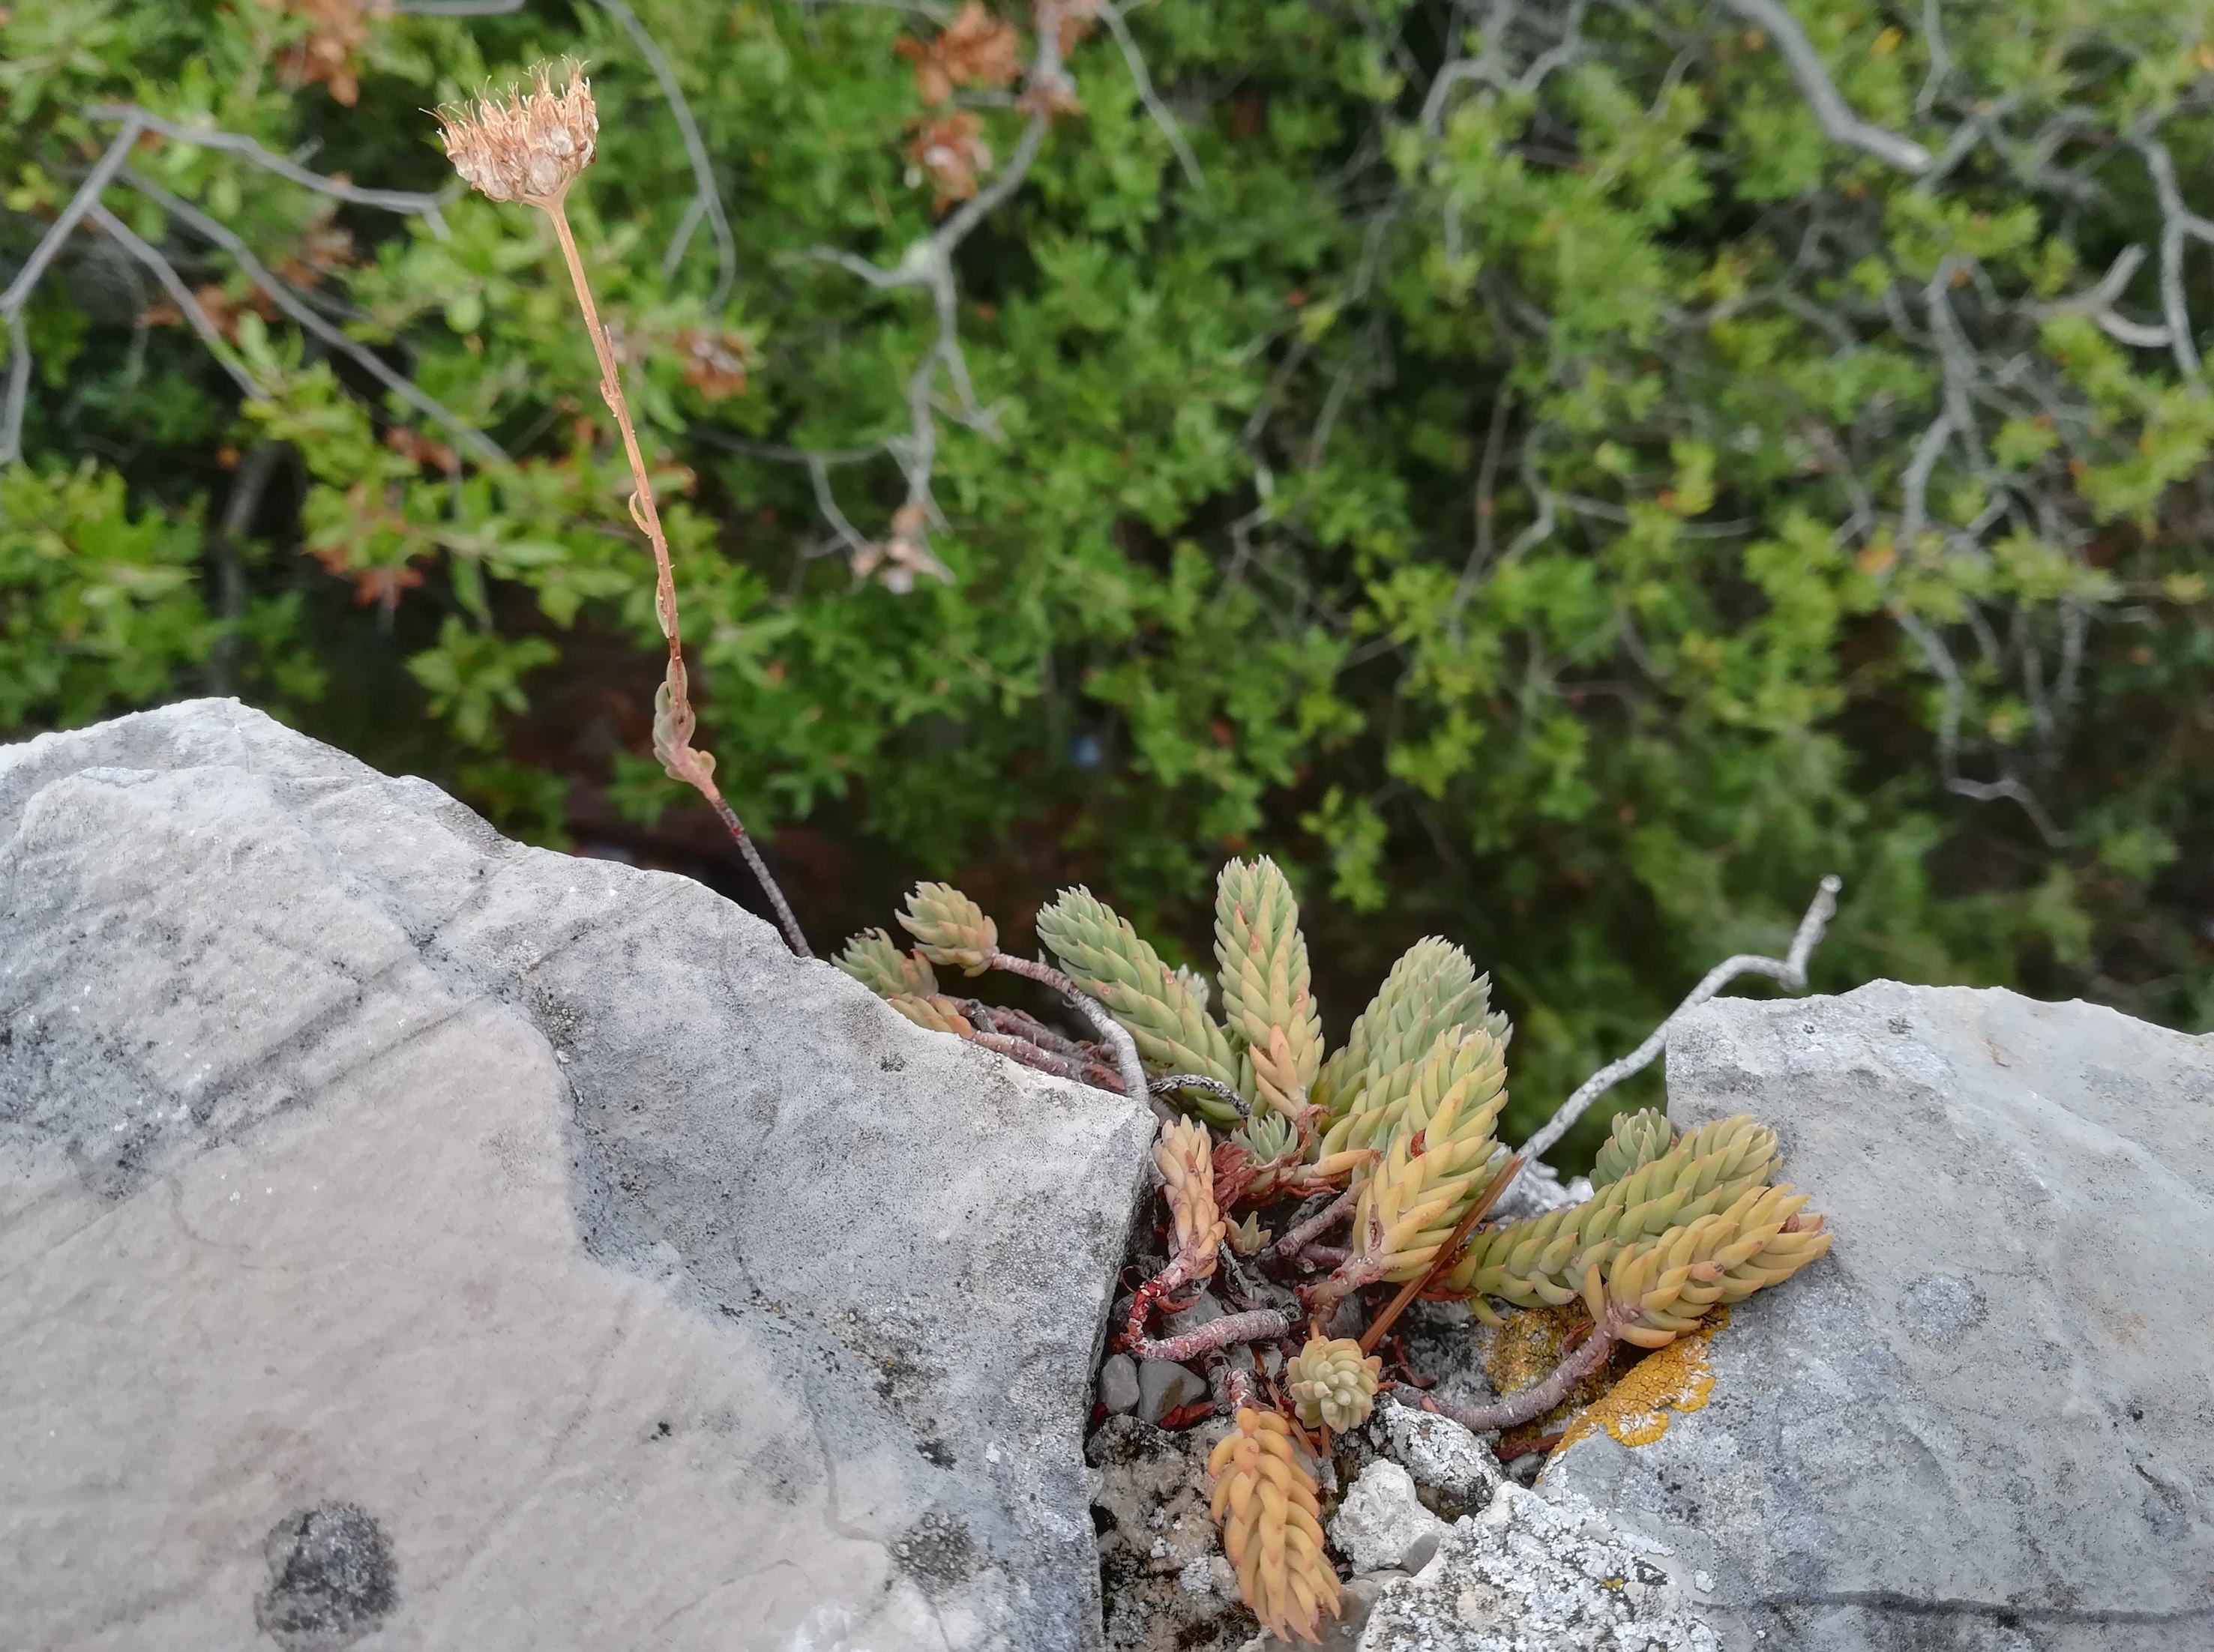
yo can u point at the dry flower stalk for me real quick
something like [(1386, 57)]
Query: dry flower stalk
[(532, 148)]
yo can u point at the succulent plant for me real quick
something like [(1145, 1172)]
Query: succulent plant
[(872, 959), (1438, 1160), (1658, 1288), (1185, 1157), (1397, 1125), (1333, 1383), (1542, 1260), (1104, 956), (1636, 1140), (1248, 1237), (930, 1011), (1431, 990), (1267, 995), (950, 929), (1267, 1136), (1266, 1504)]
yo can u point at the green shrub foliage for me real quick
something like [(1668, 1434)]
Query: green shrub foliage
[(1513, 465)]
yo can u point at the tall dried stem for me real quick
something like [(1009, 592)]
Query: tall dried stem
[(674, 728)]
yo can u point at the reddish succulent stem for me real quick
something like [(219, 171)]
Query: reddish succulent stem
[(1288, 1248), (1116, 1036), (1261, 1325), (1241, 1388), (1508, 1453), (1030, 1055), (1534, 1401), (1447, 1253), (687, 767)]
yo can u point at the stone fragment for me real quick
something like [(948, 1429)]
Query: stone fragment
[(1164, 1385), (1444, 1459), (417, 1238), (1382, 1524), (1168, 1588), (1984, 1419), (1532, 1575), (1118, 1383)]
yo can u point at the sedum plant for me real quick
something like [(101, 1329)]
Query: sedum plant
[(1392, 1133), (1267, 1505)]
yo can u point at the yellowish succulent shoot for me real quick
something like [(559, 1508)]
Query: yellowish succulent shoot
[(1248, 1237), (950, 929), (1272, 1518), (1186, 1159), (1332, 1384)]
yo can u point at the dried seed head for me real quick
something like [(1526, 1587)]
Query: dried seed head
[(531, 147)]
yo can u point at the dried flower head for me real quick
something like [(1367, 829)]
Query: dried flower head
[(952, 150), (975, 49), (330, 52), (530, 148)]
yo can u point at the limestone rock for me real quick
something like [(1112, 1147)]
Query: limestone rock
[(1460, 1470), (1381, 1525), (1168, 1589), (1164, 1387), (1536, 1574), (1984, 1419), (1118, 1383), (415, 1236)]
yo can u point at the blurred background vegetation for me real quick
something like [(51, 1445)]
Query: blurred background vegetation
[(1559, 476)]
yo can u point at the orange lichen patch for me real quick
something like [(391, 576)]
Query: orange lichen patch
[(1677, 1378), (1524, 1351), (1527, 1347)]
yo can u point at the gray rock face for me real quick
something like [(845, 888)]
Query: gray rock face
[(1986, 1419), (1381, 1526), (1531, 1574), (416, 1239), (1460, 1470)]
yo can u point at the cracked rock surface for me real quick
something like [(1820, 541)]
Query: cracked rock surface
[(415, 1239), (1986, 1420), (1534, 1573)]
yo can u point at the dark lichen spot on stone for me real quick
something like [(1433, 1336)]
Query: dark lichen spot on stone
[(1939, 1308), (938, 1552), (331, 1578), (891, 1063), (661, 1430), (936, 1451)]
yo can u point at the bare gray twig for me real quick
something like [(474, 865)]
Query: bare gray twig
[(183, 298), (1163, 118), (425, 207), (19, 290), (1790, 969), (1832, 112), (286, 300), (1170, 1083)]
